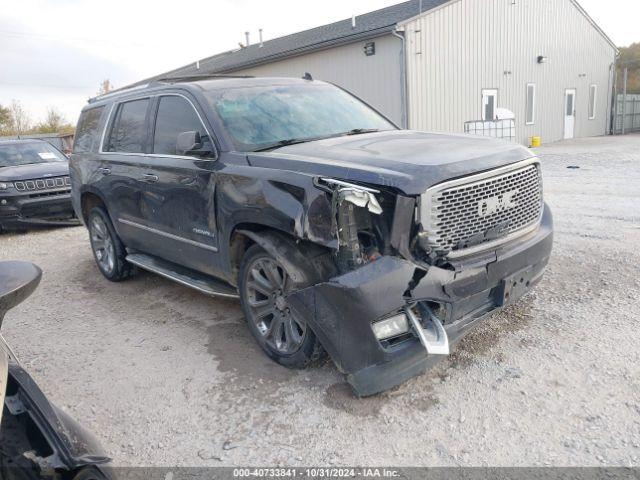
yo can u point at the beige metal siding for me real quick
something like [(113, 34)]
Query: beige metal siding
[(375, 79), (468, 45)]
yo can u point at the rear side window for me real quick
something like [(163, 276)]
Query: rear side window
[(87, 135), (175, 116), (128, 133)]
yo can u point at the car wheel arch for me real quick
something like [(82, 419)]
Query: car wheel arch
[(89, 200), (290, 251)]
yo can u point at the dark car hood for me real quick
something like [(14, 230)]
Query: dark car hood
[(34, 170), (408, 160)]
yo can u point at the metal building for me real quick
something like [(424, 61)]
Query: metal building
[(436, 64)]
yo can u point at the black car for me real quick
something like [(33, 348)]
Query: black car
[(338, 231), (35, 189), (37, 440)]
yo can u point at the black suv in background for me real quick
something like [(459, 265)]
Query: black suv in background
[(338, 231), (35, 188)]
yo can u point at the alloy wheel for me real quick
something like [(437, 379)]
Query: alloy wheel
[(266, 290), (102, 244)]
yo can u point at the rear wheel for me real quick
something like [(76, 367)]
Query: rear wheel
[(283, 335), (108, 251)]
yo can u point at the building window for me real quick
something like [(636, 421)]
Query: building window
[(489, 104), (593, 93), (531, 104)]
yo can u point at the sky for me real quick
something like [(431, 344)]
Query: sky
[(55, 53)]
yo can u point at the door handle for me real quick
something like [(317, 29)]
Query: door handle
[(104, 170), (150, 177)]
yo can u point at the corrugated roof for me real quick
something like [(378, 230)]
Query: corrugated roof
[(368, 25)]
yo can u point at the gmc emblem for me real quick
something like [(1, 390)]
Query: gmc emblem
[(497, 204)]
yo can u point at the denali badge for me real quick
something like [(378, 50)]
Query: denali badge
[(497, 204), (200, 231)]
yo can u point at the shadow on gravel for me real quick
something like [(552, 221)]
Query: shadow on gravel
[(487, 335), (237, 352), (340, 396)]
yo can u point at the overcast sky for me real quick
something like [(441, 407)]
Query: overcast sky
[(56, 52)]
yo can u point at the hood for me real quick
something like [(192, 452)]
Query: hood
[(407, 160), (33, 171)]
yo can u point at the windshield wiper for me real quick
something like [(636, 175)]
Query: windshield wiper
[(294, 141), (360, 131), (284, 143)]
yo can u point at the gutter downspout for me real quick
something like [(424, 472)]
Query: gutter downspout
[(613, 92), (403, 79)]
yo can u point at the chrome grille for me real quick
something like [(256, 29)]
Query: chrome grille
[(42, 184), (474, 211)]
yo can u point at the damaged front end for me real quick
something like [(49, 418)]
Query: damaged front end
[(398, 304)]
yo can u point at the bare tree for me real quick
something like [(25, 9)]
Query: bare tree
[(105, 87), (5, 120), (53, 122), (20, 121)]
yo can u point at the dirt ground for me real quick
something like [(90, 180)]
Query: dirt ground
[(165, 376)]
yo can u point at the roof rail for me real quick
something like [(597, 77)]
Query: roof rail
[(195, 78), (168, 79), (118, 92)]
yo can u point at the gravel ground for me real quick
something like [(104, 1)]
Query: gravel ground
[(165, 376)]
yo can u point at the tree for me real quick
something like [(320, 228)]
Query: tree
[(629, 58), (105, 87), (53, 122), (5, 120), (20, 121)]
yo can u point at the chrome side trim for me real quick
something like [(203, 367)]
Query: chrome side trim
[(168, 235)]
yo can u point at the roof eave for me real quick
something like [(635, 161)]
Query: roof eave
[(595, 25), (358, 37), (403, 23)]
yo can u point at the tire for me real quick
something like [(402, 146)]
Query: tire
[(282, 335), (108, 250)]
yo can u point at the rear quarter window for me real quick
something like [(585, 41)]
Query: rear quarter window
[(87, 135)]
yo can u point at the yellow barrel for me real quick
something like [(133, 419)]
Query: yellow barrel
[(535, 141)]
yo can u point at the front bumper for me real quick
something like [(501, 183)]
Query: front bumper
[(42, 208), (342, 310)]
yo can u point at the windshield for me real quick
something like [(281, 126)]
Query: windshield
[(257, 117), (15, 154)]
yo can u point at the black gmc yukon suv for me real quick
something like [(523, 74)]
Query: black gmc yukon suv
[(338, 231)]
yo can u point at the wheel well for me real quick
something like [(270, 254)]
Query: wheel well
[(88, 201), (239, 244)]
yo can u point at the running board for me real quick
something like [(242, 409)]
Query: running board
[(184, 276), (433, 337)]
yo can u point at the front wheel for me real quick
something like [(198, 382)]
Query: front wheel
[(284, 336), (108, 251)]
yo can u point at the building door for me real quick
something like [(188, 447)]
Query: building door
[(569, 112)]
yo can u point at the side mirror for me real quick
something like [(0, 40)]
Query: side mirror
[(18, 280), (188, 142)]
